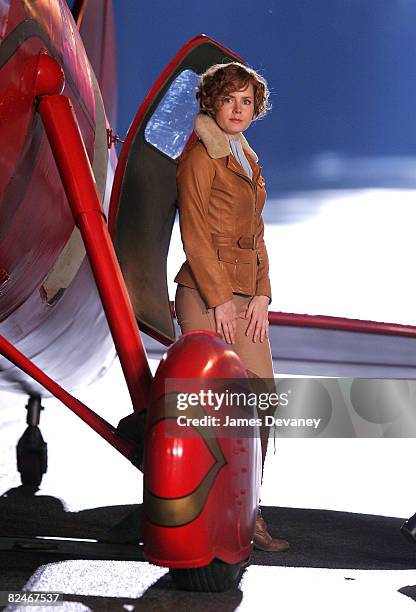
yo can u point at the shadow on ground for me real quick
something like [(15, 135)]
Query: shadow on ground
[(318, 538)]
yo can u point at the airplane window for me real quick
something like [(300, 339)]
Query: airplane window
[(171, 124)]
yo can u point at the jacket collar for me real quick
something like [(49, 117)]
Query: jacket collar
[(214, 140)]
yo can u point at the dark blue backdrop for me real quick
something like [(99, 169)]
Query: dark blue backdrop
[(342, 72)]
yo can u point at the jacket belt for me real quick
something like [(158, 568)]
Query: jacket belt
[(244, 242)]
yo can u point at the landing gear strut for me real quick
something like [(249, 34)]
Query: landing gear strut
[(32, 458)]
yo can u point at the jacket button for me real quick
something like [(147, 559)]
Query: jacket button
[(236, 260)]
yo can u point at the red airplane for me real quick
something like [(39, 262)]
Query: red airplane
[(65, 298), (71, 285)]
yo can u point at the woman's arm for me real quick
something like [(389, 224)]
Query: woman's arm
[(257, 311), (263, 286)]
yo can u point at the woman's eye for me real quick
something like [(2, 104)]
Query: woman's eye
[(247, 102), (227, 100)]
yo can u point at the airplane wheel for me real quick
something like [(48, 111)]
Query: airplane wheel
[(32, 457), (213, 578)]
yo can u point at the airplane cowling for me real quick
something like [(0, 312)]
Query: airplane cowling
[(201, 486)]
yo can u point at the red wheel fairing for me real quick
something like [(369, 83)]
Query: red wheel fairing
[(201, 491)]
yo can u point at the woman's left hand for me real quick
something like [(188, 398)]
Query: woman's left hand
[(257, 312)]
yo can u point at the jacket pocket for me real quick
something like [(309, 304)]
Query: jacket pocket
[(240, 266)]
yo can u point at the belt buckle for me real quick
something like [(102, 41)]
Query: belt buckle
[(243, 241)]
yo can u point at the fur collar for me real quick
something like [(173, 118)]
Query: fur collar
[(214, 140)]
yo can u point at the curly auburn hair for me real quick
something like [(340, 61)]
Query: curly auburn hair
[(221, 79)]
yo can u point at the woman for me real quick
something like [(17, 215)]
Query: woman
[(224, 284)]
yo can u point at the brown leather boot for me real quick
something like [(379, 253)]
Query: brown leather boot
[(263, 540)]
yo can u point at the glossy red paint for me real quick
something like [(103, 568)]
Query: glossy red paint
[(147, 102), (49, 76), (35, 219), (76, 174), (222, 472), (165, 482)]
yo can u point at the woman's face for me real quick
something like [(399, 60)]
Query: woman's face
[(235, 111)]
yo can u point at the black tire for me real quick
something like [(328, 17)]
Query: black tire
[(213, 578), (32, 456)]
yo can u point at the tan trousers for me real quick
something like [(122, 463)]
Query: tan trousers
[(192, 314)]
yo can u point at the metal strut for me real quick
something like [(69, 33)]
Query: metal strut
[(74, 167), (33, 408), (97, 423)]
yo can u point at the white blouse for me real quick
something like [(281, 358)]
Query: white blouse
[(239, 155)]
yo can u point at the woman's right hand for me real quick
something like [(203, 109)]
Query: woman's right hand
[(226, 320)]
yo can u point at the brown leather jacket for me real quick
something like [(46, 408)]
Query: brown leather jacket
[(220, 219)]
